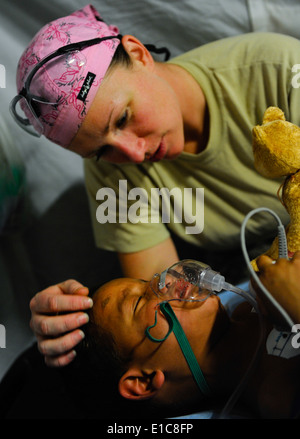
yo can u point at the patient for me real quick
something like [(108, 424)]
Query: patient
[(158, 374), (58, 333)]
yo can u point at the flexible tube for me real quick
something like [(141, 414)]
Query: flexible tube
[(282, 254)]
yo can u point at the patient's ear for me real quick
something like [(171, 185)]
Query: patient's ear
[(138, 384)]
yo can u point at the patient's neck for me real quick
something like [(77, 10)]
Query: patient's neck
[(230, 358)]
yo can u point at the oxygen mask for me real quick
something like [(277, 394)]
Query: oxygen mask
[(188, 280)]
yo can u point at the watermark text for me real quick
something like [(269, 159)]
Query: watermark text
[(161, 205), (296, 339), (2, 76), (296, 77), (2, 336)]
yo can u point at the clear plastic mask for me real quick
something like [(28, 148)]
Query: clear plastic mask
[(183, 281)]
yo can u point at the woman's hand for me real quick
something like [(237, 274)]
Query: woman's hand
[(56, 316)]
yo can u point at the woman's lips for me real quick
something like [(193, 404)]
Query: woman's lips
[(159, 153)]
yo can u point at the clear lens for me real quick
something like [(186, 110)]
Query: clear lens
[(181, 282), (68, 68), (75, 59), (68, 73)]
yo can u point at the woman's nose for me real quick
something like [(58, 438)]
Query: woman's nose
[(130, 146)]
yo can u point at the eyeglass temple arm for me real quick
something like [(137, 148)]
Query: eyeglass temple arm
[(81, 44), (66, 49)]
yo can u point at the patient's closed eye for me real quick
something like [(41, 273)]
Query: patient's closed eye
[(136, 305)]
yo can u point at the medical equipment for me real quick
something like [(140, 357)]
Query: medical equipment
[(190, 280), (175, 326), (282, 253)]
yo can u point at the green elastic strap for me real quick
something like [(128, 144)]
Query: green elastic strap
[(183, 342)]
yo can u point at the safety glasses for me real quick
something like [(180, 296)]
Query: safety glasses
[(71, 54)]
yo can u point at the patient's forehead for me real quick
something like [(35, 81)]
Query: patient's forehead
[(108, 298), (102, 295), (104, 302), (105, 293)]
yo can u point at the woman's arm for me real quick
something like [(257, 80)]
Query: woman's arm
[(144, 264)]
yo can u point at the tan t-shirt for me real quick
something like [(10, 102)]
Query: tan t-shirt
[(240, 77)]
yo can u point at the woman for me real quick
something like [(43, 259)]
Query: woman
[(182, 125)]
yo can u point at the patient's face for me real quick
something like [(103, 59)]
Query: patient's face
[(126, 307)]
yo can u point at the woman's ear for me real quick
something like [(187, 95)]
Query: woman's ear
[(136, 50), (137, 384)]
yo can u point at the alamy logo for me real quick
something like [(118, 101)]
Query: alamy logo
[(296, 338), (2, 336), (137, 206), (84, 91), (296, 78), (2, 76)]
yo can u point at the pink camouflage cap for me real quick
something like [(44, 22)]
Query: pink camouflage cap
[(70, 81)]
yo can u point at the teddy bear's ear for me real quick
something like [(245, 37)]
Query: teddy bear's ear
[(273, 113)]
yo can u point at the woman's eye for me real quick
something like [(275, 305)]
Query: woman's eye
[(123, 119)]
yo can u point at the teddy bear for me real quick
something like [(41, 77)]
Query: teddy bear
[(276, 150)]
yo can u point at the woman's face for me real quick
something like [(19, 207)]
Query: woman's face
[(135, 117)]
